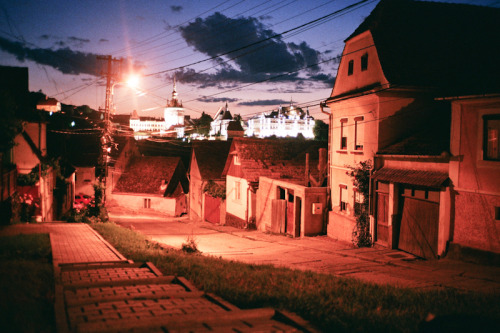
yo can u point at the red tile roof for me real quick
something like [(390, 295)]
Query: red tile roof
[(211, 157), (279, 158), (145, 174)]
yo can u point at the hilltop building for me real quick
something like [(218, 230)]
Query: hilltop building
[(221, 121), (286, 121), (173, 119)]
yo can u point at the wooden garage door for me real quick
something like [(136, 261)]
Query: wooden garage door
[(212, 209), (419, 227)]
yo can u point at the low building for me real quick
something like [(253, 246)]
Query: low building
[(284, 122), (251, 158), (152, 183), (49, 104)]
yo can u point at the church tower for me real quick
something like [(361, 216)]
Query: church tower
[(174, 112)]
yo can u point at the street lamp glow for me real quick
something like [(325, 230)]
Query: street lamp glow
[(133, 81)]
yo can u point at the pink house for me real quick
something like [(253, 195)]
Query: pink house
[(385, 109)]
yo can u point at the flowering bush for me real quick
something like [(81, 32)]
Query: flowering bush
[(25, 207)]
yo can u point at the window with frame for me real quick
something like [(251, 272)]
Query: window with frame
[(343, 134), (343, 197), (350, 67), (358, 133), (237, 190), (364, 62), (147, 203), (490, 141), (237, 160), (358, 201)]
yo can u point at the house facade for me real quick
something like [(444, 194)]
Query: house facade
[(386, 108), (475, 172), (284, 122), (248, 160), (208, 159), (30, 151)]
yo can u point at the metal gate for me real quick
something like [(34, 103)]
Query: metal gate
[(212, 209)]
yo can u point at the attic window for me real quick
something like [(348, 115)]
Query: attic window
[(350, 69), (237, 160), (364, 62)]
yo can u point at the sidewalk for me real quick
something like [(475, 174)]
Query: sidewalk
[(99, 290)]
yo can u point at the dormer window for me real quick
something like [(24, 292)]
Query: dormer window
[(350, 69), (364, 62), (237, 160)]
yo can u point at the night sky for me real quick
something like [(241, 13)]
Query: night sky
[(214, 49)]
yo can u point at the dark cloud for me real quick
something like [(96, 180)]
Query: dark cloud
[(103, 40), (272, 59), (176, 9), (225, 76), (217, 99), (77, 42), (44, 37), (65, 60), (264, 102)]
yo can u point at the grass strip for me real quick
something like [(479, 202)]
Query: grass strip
[(26, 284), (331, 303)]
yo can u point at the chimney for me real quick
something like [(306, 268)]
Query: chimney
[(306, 178)]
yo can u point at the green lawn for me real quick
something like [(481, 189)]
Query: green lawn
[(26, 284), (330, 303)]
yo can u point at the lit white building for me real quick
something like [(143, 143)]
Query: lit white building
[(286, 121), (49, 104), (173, 119), (218, 127)]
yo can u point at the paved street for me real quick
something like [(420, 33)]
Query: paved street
[(320, 254)]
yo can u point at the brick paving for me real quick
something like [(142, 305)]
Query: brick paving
[(99, 290)]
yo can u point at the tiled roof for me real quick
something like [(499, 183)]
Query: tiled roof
[(433, 44), (279, 158), (412, 177), (145, 174), (234, 126), (211, 157)]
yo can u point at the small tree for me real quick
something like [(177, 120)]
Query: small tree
[(202, 124), (360, 173), (320, 130)]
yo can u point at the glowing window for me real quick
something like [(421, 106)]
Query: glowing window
[(490, 135)]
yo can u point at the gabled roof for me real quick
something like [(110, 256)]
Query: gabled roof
[(147, 174), (234, 125), (211, 157), (278, 158), (451, 47)]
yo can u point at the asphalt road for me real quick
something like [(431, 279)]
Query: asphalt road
[(320, 254)]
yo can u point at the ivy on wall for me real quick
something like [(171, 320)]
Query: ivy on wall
[(360, 174)]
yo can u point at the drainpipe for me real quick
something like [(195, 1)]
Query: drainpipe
[(248, 205), (322, 105)]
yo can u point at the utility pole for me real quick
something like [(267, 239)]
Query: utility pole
[(112, 74)]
